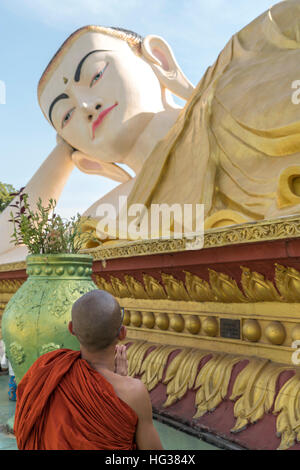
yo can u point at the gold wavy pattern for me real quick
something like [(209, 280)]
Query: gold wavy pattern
[(220, 288), (153, 366), (181, 374), (213, 381), (287, 406), (254, 388)]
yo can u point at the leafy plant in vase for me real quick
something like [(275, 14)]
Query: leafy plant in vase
[(36, 318)]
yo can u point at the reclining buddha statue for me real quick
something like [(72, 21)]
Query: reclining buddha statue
[(234, 147)]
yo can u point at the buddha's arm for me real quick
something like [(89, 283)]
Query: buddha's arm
[(48, 182)]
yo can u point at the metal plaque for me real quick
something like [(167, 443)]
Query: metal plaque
[(230, 328)]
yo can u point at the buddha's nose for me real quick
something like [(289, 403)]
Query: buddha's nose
[(91, 110)]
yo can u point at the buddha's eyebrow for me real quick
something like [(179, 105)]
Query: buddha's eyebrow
[(79, 67), (76, 79), (63, 96)]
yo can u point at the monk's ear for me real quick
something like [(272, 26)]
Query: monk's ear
[(159, 55), (123, 333), (70, 328), (92, 166)]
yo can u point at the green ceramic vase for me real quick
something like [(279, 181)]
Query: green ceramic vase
[(36, 318)]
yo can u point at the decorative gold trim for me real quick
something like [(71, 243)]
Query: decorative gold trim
[(7, 267), (188, 311), (250, 232), (257, 288), (267, 329), (225, 288), (254, 388), (198, 289), (181, 374), (220, 288), (287, 281), (287, 404), (212, 382), (10, 286)]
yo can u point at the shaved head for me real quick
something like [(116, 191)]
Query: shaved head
[(96, 320)]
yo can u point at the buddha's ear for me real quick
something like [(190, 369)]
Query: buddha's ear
[(88, 165), (159, 55)]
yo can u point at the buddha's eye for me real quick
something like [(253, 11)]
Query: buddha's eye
[(67, 117), (98, 76)]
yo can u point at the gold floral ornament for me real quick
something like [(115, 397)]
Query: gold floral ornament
[(150, 367), (153, 288), (257, 288), (120, 288), (288, 282), (256, 388), (212, 382), (221, 288), (225, 288), (135, 288), (287, 404), (174, 287), (103, 284), (181, 374), (135, 355), (198, 289), (153, 366)]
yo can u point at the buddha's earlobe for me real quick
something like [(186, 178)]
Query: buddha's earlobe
[(92, 166), (159, 55)]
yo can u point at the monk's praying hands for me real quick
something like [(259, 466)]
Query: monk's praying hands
[(121, 361)]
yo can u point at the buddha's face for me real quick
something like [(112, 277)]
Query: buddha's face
[(101, 96)]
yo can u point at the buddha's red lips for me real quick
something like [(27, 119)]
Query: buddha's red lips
[(101, 116)]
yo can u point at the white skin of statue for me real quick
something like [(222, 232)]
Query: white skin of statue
[(116, 111)]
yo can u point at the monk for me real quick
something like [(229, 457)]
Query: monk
[(84, 400)]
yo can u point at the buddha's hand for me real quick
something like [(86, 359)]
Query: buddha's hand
[(61, 141), (121, 362)]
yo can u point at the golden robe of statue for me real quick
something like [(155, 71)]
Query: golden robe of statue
[(236, 145)]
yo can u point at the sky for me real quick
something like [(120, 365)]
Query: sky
[(31, 31)]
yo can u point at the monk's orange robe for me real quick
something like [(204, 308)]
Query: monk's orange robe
[(64, 404)]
